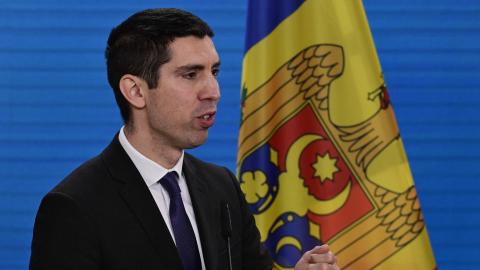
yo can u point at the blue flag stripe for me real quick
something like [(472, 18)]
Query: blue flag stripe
[(264, 15)]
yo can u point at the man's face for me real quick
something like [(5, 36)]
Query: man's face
[(183, 105)]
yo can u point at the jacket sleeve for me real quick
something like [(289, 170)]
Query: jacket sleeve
[(63, 236), (254, 255)]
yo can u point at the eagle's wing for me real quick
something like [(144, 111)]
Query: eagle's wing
[(370, 137), (314, 68), (400, 214)]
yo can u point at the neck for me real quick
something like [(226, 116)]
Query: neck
[(152, 147)]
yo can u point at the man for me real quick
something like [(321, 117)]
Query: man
[(143, 203)]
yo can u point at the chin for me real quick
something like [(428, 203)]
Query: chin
[(197, 141)]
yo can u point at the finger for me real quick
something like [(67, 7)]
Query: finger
[(320, 249), (322, 266), (327, 258), (335, 267)]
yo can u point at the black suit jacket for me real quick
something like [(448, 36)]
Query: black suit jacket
[(102, 216)]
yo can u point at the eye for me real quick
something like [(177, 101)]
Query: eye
[(215, 72), (190, 75)]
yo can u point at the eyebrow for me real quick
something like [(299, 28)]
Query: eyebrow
[(195, 67)]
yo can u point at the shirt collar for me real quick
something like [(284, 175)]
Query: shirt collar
[(150, 171)]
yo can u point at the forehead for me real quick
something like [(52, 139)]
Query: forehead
[(193, 50)]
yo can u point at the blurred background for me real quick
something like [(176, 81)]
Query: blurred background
[(57, 110)]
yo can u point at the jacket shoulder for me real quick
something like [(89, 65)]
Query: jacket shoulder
[(203, 165), (87, 176)]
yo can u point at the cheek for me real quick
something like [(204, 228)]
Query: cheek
[(176, 102), (183, 105), (179, 112)]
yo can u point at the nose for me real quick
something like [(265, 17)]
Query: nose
[(211, 89)]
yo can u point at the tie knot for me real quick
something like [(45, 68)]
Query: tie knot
[(170, 183)]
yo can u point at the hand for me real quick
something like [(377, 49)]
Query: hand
[(320, 258)]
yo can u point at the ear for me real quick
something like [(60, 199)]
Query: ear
[(132, 89)]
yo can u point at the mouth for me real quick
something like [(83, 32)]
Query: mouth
[(207, 119)]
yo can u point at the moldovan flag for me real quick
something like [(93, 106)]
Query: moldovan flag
[(320, 157)]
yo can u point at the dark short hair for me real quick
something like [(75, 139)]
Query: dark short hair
[(139, 46)]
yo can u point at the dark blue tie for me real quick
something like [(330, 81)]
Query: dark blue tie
[(182, 228)]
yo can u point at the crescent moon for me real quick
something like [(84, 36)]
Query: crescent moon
[(319, 207), (288, 240), (294, 152)]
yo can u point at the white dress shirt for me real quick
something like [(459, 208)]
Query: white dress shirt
[(151, 173)]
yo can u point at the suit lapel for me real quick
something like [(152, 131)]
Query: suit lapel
[(137, 196), (206, 210)]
